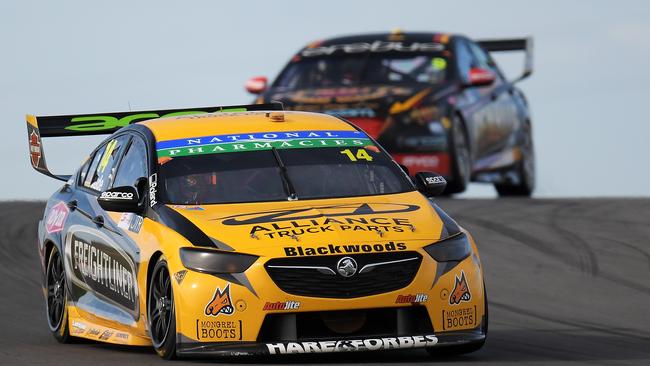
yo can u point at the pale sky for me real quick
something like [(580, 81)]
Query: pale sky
[(589, 93)]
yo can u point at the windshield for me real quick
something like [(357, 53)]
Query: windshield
[(279, 170), (364, 69)]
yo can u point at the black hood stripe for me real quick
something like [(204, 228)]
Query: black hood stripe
[(183, 226)]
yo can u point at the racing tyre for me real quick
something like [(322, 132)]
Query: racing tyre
[(460, 159), (465, 348), (525, 169), (160, 311), (57, 298)]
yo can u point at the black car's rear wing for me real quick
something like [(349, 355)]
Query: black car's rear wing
[(106, 124), (513, 44)]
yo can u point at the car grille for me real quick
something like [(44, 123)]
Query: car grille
[(384, 322), (318, 276)]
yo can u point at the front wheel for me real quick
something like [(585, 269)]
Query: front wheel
[(525, 169), (57, 298), (160, 311), (460, 158)]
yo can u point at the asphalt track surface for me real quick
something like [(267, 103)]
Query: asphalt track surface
[(568, 283)]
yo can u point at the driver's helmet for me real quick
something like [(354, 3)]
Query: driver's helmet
[(194, 188)]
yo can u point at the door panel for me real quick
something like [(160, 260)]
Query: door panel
[(495, 120), (101, 262)]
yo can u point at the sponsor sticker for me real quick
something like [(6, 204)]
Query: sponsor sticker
[(369, 344), (318, 219), (460, 293), (459, 318), (260, 141), (35, 152), (220, 303), (282, 305), (419, 161), (374, 47), (352, 112), (122, 336), (435, 180), (108, 154), (130, 221), (106, 335), (103, 122), (188, 207), (180, 276), (117, 195), (411, 299), (101, 267), (344, 249), (136, 223), (438, 63), (56, 218), (153, 189), (78, 327), (293, 229), (218, 330)]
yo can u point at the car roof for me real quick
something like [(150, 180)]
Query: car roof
[(208, 124), (395, 36)]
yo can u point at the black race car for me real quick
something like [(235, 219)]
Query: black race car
[(436, 102)]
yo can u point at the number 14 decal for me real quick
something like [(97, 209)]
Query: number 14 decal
[(361, 154)]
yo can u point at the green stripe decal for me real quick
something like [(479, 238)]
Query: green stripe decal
[(242, 146)]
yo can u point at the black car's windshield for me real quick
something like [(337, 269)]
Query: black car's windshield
[(365, 69), (277, 170)]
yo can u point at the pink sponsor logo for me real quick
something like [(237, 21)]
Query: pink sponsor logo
[(56, 218)]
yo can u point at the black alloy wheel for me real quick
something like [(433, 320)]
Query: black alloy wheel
[(56, 301), (160, 311)]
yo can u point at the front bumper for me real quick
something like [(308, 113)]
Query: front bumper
[(252, 300), (360, 344)]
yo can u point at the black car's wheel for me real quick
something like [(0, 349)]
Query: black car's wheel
[(465, 348), (160, 311), (525, 169), (57, 298), (460, 158)]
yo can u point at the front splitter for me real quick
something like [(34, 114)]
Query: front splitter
[(358, 344)]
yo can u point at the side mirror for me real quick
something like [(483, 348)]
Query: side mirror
[(430, 184), (256, 85), (479, 76), (120, 199)]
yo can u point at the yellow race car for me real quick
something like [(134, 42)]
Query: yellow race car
[(249, 230)]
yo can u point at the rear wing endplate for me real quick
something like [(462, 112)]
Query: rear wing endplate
[(513, 44), (106, 124)]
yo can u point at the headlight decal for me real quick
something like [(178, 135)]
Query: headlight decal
[(215, 262), (227, 266), (455, 248), (449, 253)]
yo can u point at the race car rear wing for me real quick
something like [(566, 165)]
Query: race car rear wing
[(106, 124), (513, 44)]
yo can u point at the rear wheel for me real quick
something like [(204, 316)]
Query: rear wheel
[(160, 311), (525, 169), (57, 298), (460, 158)]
